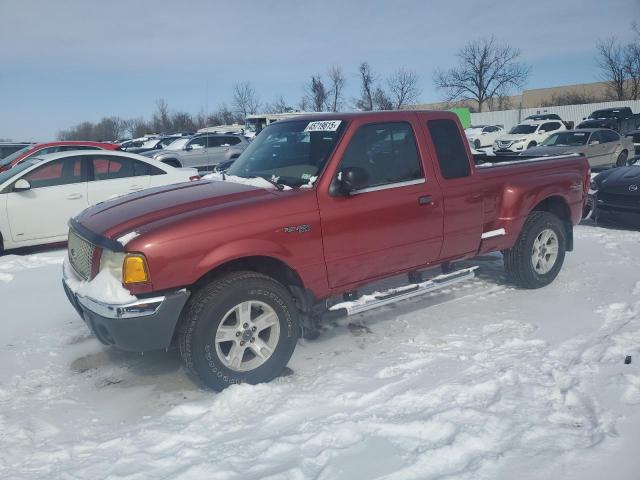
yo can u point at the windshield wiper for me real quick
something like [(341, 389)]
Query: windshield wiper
[(279, 186)]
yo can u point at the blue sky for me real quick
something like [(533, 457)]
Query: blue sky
[(67, 61)]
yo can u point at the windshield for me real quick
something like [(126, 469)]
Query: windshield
[(178, 144), (150, 143), (567, 139), (288, 152), (7, 160), (167, 141), (604, 114), (523, 129), (12, 172)]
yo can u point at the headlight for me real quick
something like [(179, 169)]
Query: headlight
[(134, 269), (112, 261)]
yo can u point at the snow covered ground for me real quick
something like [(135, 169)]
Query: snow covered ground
[(483, 381)]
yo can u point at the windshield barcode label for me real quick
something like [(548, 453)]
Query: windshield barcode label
[(323, 126)]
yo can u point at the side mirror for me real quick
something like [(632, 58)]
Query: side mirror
[(21, 185), (348, 181), (158, 146), (188, 147), (594, 142)]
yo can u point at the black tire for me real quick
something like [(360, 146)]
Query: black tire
[(476, 144), (518, 261), (204, 314), (173, 162), (531, 145), (622, 159)]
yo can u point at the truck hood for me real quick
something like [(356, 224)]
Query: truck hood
[(139, 211)]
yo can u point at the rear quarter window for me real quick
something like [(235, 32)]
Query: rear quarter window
[(450, 152)]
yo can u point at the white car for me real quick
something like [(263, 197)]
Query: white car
[(41, 194), (483, 135), (526, 135)]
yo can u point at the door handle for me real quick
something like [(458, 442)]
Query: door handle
[(74, 196), (425, 200)]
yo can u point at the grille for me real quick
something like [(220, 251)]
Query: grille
[(503, 143), (80, 254), (618, 200)]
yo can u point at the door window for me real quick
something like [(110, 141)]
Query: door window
[(59, 172), (595, 138), (452, 156), (609, 136), (112, 167), (386, 151), (198, 143), (550, 126)]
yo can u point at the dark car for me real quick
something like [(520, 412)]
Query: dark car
[(616, 195), (621, 120), (7, 148)]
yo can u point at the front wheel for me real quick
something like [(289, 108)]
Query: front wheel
[(537, 256), (240, 328), (531, 145), (622, 159)]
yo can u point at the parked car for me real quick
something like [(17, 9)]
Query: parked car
[(235, 269), (40, 149), (203, 151), (7, 148), (136, 142), (548, 116), (602, 147), (634, 135), (620, 119), (616, 196), (526, 135), (155, 144), (39, 195), (483, 135)]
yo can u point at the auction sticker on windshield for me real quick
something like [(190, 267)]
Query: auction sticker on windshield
[(323, 126)]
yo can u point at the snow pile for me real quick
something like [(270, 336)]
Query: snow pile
[(255, 181), (104, 287), (124, 239), (479, 381)]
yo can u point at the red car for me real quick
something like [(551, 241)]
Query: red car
[(234, 270), (36, 149)]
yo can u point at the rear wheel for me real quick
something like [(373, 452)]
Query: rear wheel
[(537, 256), (240, 328), (622, 159)]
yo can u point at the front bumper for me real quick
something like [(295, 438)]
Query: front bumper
[(627, 212), (143, 325)]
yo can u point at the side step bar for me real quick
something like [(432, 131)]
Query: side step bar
[(369, 302)]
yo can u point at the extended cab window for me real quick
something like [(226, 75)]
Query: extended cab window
[(452, 156), (386, 151)]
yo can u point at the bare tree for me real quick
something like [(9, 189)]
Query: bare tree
[(381, 100), (161, 121), (279, 105), (611, 61), (367, 78), (317, 93), (336, 86), (245, 99), (632, 64), (485, 70), (403, 88)]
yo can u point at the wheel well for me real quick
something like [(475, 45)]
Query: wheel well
[(270, 266), (559, 207)]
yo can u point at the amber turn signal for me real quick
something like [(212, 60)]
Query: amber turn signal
[(134, 269)]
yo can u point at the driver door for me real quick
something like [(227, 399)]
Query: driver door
[(392, 224), (195, 154), (58, 192)]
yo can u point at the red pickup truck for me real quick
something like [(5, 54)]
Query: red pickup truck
[(234, 269)]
